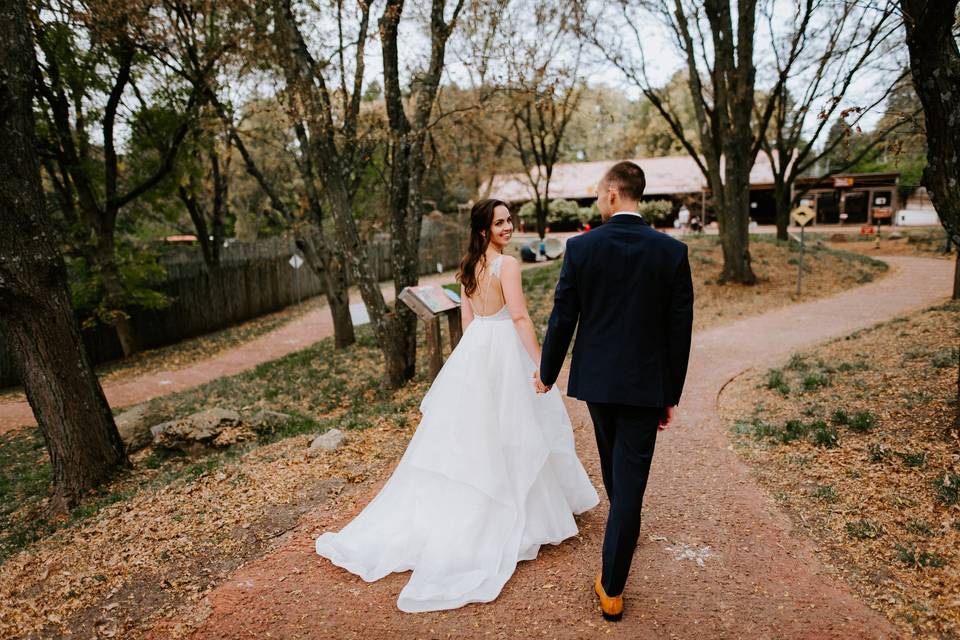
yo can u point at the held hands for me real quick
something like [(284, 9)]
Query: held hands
[(667, 419), (538, 385)]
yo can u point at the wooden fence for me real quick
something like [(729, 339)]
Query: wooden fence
[(253, 280)]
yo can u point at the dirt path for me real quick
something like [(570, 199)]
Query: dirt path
[(299, 333), (757, 579)]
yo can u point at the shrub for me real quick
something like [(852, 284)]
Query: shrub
[(797, 362), (864, 529), (824, 435), (566, 213), (946, 358), (813, 381), (825, 493), (948, 489), (793, 430), (909, 555), (878, 452), (913, 459), (654, 210), (862, 422), (840, 417), (777, 382)]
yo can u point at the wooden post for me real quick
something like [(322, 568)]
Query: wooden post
[(434, 345), (429, 303), (456, 328)]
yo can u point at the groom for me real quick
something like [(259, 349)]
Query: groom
[(629, 289)]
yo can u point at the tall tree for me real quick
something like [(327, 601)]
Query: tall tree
[(820, 66), (716, 40), (328, 97), (543, 92), (935, 66), (39, 325), (91, 64), (409, 132)]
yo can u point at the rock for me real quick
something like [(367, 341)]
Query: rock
[(895, 235), (838, 237), (134, 426), (266, 421), (195, 433), (329, 440)]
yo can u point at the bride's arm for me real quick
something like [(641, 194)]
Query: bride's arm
[(466, 311), (517, 305)]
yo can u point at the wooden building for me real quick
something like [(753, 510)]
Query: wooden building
[(859, 198), (864, 198)]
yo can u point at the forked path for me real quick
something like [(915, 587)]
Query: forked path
[(716, 560)]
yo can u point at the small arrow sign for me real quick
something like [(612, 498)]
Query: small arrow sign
[(802, 215), (296, 261)]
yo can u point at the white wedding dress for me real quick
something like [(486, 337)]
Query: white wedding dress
[(490, 474)]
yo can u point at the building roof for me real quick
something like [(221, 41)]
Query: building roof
[(578, 180)]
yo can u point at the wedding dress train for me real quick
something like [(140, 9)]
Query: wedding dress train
[(489, 476)]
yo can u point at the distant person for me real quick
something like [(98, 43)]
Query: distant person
[(626, 290), (695, 224), (683, 218)]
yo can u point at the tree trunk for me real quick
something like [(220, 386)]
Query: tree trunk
[(333, 273), (781, 203), (735, 225), (935, 68), (541, 209), (401, 354), (114, 295), (338, 296), (956, 276), (39, 326)]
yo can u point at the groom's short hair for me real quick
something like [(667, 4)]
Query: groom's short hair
[(628, 179)]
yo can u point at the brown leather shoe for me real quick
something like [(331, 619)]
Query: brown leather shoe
[(612, 608)]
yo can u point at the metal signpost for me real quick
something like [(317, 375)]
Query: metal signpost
[(296, 262), (801, 216)]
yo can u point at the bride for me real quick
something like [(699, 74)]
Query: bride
[(491, 472)]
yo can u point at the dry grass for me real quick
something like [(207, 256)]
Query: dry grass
[(897, 242), (826, 272), (153, 542), (856, 440)]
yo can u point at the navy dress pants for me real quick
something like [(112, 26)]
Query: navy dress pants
[(626, 436)]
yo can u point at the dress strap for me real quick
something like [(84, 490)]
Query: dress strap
[(495, 266)]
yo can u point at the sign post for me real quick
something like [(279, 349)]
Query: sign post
[(296, 262), (801, 216), (429, 303)]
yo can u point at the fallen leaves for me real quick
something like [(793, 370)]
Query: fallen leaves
[(880, 504)]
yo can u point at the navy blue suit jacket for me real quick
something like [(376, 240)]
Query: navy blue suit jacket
[(629, 289)]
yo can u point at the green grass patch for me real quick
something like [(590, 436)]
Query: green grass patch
[(862, 421), (824, 435), (864, 530), (921, 559), (913, 460), (946, 358), (814, 380), (777, 382), (825, 493), (948, 489)]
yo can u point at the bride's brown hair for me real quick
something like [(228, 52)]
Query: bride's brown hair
[(481, 219)]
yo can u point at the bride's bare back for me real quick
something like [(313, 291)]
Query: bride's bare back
[(488, 299)]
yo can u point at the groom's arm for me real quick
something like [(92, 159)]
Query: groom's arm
[(680, 317), (563, 321)]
